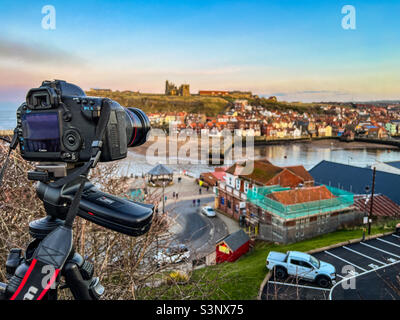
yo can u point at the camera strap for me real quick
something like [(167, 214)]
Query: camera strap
[(96, 147), (55, 248)]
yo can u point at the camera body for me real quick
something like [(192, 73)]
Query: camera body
[(58, 124)]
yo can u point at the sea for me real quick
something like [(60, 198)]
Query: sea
[(306, 154), (8, 116)]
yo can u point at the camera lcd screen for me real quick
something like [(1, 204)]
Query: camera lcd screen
[(41, 132)]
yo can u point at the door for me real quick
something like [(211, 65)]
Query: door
[(301, 269), (294, 268), (308, 270)]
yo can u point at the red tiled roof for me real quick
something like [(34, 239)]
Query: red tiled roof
[(382, 207), (219, 175), (263, 172), (301, 195), (235, 169), (301, 172)]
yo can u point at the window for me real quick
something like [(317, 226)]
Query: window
[(314, 261), (246, 187), (237, 184), (305, 265), (229, 204), (295, 262)]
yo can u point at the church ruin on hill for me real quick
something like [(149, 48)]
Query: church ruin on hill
[(172, 90)]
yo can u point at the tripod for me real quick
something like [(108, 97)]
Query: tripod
[(118, 214), (77, 271)]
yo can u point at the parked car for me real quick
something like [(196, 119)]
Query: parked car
[(174, 254), (398, 229), (208, 211), (301, 265)]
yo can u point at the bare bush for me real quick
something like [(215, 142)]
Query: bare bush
[(126, 265)]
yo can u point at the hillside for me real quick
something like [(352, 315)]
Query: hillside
[(211, 106)]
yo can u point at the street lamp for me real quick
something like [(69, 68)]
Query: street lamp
[(365, 211), (163, 197)]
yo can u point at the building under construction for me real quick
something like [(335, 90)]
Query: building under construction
[(285, 215)]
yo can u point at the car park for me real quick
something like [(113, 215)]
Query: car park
[(373, 263), (301, 265)]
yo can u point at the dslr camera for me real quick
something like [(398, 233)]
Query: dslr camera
[(68, 133), (56, 127), (57, 123)]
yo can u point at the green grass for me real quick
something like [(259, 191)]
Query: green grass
[(211, 106), (242, 279)]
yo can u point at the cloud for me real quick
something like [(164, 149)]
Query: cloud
[(34, 53), (322, 92)]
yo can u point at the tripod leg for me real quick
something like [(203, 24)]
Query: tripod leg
[(79, 279)]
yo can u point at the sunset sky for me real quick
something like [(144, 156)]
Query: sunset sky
[(296, 50)]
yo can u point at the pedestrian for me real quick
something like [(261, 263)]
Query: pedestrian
[(208, 188), (176, 195), (199, 190), (173, 194), (194, 202), (198, 202)]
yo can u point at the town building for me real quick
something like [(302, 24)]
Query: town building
[(389, 167), (212, 178), (233, 246), (241, 177), (213, 93), (287, 215), (382, 206), (356, 179)]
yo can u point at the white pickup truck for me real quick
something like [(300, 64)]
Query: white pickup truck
[(301, 265)]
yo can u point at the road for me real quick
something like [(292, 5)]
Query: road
[(197, 231)]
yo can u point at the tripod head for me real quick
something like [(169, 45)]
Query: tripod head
[(118, 214)]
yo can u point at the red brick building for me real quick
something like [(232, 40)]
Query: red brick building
[(232, 193), (213, 93)]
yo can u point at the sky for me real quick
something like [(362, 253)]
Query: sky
[(296, 50)]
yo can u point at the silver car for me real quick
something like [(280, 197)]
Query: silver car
[(208, 212)]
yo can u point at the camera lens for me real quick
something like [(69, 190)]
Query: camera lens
[(137, 126)]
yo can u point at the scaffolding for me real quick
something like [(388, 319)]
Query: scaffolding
[(342, 200)]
